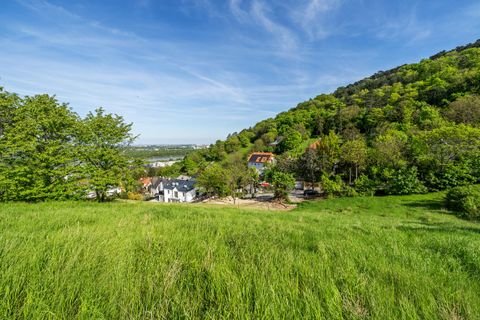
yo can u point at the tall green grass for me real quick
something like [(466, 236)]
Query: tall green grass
[(359, 258)]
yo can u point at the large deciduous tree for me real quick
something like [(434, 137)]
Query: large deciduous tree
[(213, 180), (282, 182), (38, 152), (8, 103), (309, 166), (465, 110), (103, 138), (354, 155), (47, 152)]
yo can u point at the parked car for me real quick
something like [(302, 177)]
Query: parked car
[(310, 193)]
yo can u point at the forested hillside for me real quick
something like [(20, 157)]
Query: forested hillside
[(408, 130)]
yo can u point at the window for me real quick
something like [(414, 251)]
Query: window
[(175, 194)]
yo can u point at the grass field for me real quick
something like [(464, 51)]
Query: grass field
[(353, 258)]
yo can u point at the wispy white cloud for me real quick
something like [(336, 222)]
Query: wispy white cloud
[(259, 14), (237, 11), (311, 15), (45, 8), (404, 26), (206, 6), (286, 37)]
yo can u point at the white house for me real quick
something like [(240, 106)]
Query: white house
[(181, 189), (177, 190), (258, 160)]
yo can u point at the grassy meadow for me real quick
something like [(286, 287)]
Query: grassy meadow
[(352, 258)]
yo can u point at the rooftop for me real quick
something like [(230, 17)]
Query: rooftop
[(261, 157)]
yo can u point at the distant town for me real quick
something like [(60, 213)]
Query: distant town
[(154, 153)]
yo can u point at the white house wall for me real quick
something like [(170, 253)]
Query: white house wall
[(190, 195), (182, 196)]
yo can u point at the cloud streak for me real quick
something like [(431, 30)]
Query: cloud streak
[(284, 36), (312, 17)]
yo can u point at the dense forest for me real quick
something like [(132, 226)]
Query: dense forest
[(412, 129)]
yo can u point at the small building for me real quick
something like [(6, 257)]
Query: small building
[(176, 190), (163, 189), (299, 185), (146, 183), (157, 186), (259, 160)]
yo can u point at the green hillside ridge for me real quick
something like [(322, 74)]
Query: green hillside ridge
[(395, 257), (408, 130)]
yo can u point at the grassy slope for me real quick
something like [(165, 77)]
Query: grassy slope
[(382, 258)]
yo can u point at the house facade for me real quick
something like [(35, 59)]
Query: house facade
[(177, 190), (259, 160), (181, 189)]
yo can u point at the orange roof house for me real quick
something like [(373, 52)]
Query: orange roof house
[(258, 160), (146, 182), (315, 145)]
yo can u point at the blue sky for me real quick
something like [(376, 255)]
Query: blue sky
[(192, 71)]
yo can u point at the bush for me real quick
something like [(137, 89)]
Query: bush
[(135, 196), (465, 201), (335, 187), (453, 175), (365, 186), (282, 183), (405, 181)]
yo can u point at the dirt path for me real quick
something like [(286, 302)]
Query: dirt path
[(257, 203)]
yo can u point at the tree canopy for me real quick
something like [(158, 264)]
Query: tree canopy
[(48, 152)]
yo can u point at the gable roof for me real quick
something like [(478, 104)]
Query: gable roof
[(146, 181), (156, 181), (315, 144), (181, 185), (260, 157)]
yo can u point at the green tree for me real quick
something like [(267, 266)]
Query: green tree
[(354, 155), (464, 110), (428, 117), (38, 151), (291, 139), (8, 103), (328, 151), (282, 182), (389, 149), (103, 138), (192, 163), (448, 156), (245, 137), (213, 180), (309, 166), (232, 144), (237, 180), (252, 180)]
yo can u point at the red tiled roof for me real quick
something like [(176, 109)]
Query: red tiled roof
[(146, 181), (260, 157), (315, 145)]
